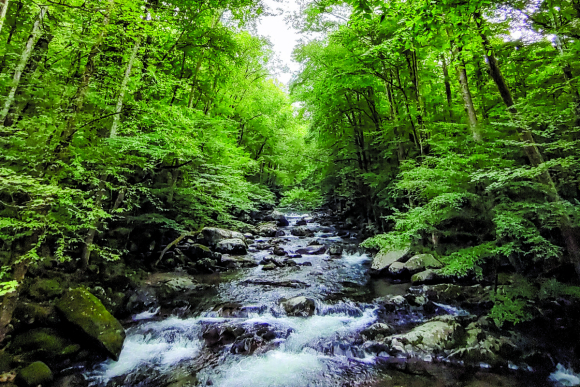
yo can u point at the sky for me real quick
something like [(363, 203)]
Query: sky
[(281, 34)]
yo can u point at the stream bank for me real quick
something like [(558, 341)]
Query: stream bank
[(292, 303)]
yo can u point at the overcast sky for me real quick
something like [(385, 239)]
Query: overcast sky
[(281, 34)]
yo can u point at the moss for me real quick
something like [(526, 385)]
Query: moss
[(45, 289), (86, 312), (43, 343), (5, 361), (35, 374)]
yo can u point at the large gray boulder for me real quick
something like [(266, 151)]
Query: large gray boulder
[(88, 315), (234, 246), (267, 229), (302, 231), (436, 336), (422, 262), (386, 258), (211, 236), (299, 306), (280, 219)]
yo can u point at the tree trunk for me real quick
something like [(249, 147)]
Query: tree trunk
[(34, 35), (467, 99), (447, 87), (4, 4), (194, 82), (123, 89), (20, 103)]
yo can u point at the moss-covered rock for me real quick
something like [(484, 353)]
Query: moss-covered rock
[(89, 315), (422, 262), (34, 375), (43, 344), (45, 289), (5, 361), (31, 313)]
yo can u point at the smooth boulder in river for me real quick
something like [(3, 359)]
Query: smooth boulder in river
[(85, 312), (299, 306), (211, 236), (234, 246), (386, 258), (280, 219), (34, 375)]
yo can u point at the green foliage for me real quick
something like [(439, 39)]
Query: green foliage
[(513, 303), (120, 121), (301, 199)]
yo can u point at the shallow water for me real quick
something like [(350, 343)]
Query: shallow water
[(322, 350)]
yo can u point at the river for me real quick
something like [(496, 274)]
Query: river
[(242, 336)]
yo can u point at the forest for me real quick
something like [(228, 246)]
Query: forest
[(447, 129)]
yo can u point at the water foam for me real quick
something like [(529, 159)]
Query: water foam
[(564, 376)]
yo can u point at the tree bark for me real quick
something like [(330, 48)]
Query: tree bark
[(4, 4), (447, 87), (123, 89), (34, 35), (468, 100)]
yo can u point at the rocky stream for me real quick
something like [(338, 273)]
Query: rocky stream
[(299, 308)]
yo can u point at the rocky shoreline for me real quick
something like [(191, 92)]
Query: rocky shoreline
[(66, 322)]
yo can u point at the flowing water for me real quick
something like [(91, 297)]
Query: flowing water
[(260, 346)]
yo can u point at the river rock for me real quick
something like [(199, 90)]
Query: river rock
[(279, 251), (422, 262), (396, 269), (301, 222), (236, 262), (234, 246), (224, 334), (34, 375), (377, 331), (335, 250), (385, 258), (465, 296), (88, 315), (211, 236), (483, 346), (433, 337), (428, 276), (302, 232), (44, 289), (312, 250), (299, 306), (43, 344), (267, 229), (269, 267), (75, 380), (294, 255), (280, 219), (31, 313)]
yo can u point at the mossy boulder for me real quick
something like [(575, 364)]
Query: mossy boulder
[(45, 289), (43, 344), (84, 311), (31, 313), (5, 361), (34, 375), (422, 262), (385, 258)]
